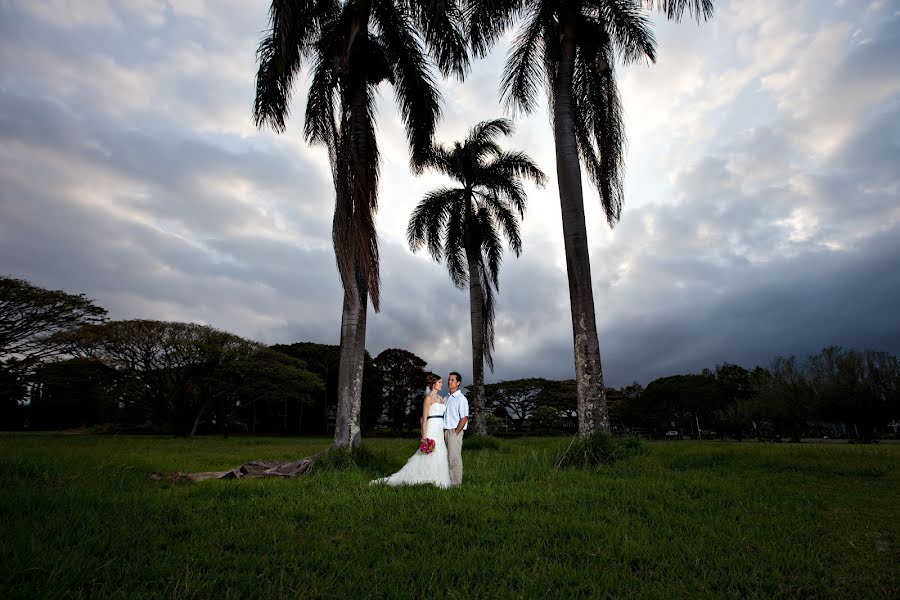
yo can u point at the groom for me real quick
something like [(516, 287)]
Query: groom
[(456, 421)]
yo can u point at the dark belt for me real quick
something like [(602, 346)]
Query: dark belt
[(436, 417)]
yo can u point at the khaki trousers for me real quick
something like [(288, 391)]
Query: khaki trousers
[(454, 454)]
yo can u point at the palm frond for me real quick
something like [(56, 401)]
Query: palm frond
[(486, 21), (271, 105), (488, 314), (319, 124), (507, 189), (414, 87), (377, 65), (487, 131), (293, 28), (441, 24), (490, 244), (515, 164), (674, 9), (523, 70), (627, 25), (551, 58), (599, 126), (429, 219), (441, 159), (356, 186), (454, 245), (504, 218), (342, 237), (367, 191)]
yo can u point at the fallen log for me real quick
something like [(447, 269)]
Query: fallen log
[(253, 469)]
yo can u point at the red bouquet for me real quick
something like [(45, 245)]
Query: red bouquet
[(427, 446)]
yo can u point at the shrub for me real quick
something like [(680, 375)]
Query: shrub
[(600, 449)]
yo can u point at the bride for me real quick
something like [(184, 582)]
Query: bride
[(430, 468)]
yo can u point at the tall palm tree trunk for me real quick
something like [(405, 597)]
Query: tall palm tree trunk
[(476, 314), (347, 431), (592, 414)]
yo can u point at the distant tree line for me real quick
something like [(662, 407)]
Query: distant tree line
[(835, 393), (63, 364)]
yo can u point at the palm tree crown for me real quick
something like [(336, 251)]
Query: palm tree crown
[(463, 226), (602, 30), (488, 202), (352, 47)]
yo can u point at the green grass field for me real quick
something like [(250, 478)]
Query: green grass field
[(80, 516)]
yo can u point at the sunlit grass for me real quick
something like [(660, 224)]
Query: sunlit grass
[(80, 516)]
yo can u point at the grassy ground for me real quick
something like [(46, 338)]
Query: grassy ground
[(80, 516)]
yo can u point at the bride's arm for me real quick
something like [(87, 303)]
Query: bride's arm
[(426, 404)]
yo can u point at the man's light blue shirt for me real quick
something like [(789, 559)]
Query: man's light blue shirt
[(457, 408)]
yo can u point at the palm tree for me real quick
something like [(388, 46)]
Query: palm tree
[(570, 46), (352, 47), (463, 224)]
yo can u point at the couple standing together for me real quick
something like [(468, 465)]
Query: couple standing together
[(445, 421)]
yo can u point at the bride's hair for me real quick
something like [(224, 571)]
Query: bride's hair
[(430, 380)]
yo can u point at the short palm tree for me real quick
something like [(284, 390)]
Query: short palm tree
[(571, 46), (352, 47), (462, 225)]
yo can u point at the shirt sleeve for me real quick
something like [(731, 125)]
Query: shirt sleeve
[(463, 406)]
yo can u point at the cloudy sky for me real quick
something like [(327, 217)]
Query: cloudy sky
[(762, 197)]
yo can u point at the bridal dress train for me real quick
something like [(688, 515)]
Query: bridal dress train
[(426, 468)]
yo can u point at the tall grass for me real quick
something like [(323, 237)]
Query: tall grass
[(600, 449), (80, 516)]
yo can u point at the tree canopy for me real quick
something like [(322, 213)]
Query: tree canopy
[(31, 315)]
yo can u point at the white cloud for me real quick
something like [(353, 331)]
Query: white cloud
[(74, 14)]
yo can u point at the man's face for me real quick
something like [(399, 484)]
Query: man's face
[(452, 383)]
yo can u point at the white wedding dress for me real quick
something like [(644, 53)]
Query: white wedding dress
[(431, 468)]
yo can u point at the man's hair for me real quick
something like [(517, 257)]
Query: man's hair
[(458, 376)]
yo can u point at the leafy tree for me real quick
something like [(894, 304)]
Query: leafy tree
[(562, 394), (403, 385), (857, 387), (280, 383), (545, 419), (517, 399), (12, 396), (353, 47), (791, 396), (633, 391), (462, 226), (571, 47), (882, 390), (73, 393), (167, 359), (628, 407), (733, 384), (324, 360), (733, 381), (687, 400), (29, 318)]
